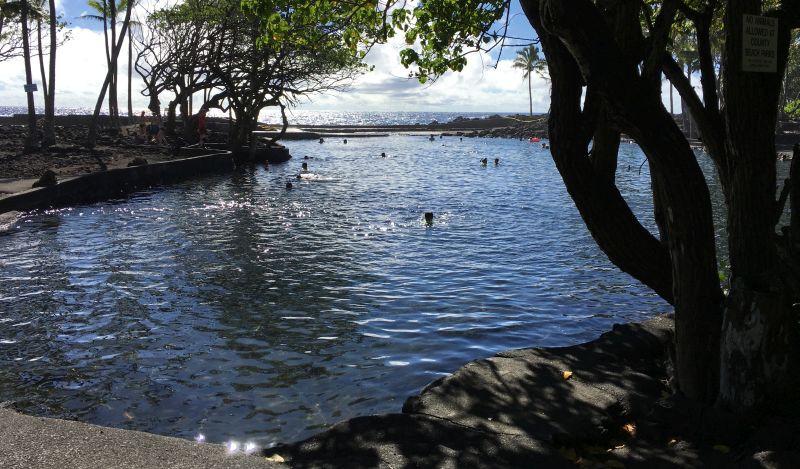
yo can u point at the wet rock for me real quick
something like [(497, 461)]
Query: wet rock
[(138, 161), (775, 460), (48, 179), (62, 148)]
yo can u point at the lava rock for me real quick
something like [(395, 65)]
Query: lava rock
[(138, 161), (48, 179)]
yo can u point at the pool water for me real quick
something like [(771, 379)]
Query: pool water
[(232, 307)]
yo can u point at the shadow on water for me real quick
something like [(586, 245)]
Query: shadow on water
[(512, 410)]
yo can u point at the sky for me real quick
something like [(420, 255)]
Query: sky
[(485, 84)]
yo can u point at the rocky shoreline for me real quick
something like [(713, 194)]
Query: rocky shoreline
[(118, 148), (68, 157)]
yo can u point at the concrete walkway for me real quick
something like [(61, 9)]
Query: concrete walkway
[(11, 186), (42, 443)]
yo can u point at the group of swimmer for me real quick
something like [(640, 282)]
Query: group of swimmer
[(483, 161)]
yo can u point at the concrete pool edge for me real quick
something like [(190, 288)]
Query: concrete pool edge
[(40, 442), (509, 410), (103, 185)]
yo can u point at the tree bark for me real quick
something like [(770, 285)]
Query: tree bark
[(530, 94), (48, 129), (108, 51), (112, 94), (794, 199), (130, 72), (577, 31), (759, 330), (50, 105), (91, 139), (40, 49), (30, 139)]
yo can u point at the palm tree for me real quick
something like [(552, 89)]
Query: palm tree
[(48, 15), (107, 12), (528, 60), (131, 24), (92, 137), (30, 140)]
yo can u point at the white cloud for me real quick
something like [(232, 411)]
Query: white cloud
[(479, 87), (80, 71)]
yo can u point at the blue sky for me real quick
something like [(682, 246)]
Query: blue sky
[(484, 85)]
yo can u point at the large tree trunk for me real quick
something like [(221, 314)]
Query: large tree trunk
[(580, 47), (50, 104), (530, 94), (112, 94), (108, 46), (759, 331), (171, 123), (48, 129), (30, 139), (240, 130), (189, 130), (40, 50), (91, 139), (130, 73)]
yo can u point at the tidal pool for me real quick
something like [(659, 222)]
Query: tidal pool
[(232, 307)]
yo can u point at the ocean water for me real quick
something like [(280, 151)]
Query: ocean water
[(366, 118), (305, 117)]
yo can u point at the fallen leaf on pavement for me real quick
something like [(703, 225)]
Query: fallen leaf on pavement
[(630, 429)]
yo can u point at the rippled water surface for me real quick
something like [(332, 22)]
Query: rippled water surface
[(232, 307)]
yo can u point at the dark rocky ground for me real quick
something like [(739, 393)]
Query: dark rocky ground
[(116, 149), (68, 156)]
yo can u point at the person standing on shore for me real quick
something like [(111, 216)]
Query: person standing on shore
[(202, 132), (160, 138), (142, 125)]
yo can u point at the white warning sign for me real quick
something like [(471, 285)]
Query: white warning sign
[(760, 44)]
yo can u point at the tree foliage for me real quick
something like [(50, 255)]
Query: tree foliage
[(246, 59), (10, 31), (791, 83)]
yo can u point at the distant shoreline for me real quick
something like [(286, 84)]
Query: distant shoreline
[(466, 120)]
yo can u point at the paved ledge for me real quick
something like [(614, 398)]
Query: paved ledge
[(103, 185), (43, 443)]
